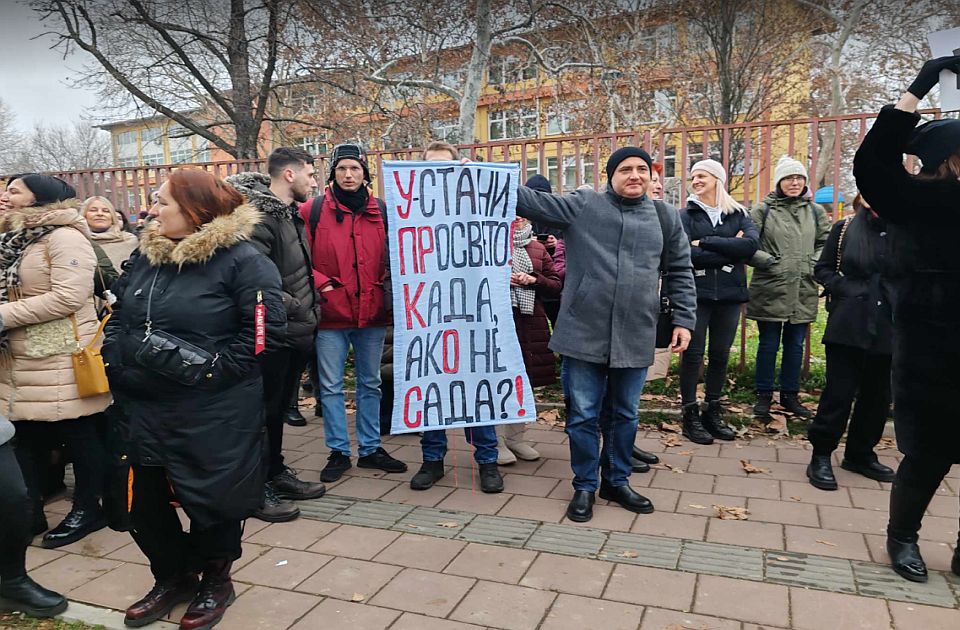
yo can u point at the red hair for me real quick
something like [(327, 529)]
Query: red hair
[(658, 167), (201, 196)]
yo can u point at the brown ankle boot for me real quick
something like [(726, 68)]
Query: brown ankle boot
[(215, 595), (161, 599)]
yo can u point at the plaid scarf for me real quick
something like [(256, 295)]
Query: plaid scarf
[(13, 244), (522, 297)]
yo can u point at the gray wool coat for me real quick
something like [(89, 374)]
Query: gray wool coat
[(610, 303)]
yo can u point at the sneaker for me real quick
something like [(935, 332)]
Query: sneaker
[(490, 480), (274, 509), (337, 464), (288, 486), (380, 460)]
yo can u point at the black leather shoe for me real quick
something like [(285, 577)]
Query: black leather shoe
[(274, 509), (288, 486), (905, 559), (580, 508), (161, 600), (294, 418), (639, 466), (712, 421), (337, 464), (871, 470), (75, 525), (820, 473), (627, 498), (381, 460), (645, 456), (429, 474), (24, 595), (491, 481)]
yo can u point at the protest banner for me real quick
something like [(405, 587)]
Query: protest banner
[(456, 358)]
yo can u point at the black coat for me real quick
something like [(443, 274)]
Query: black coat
[(719, 263), (860, 297), (210, 436), (924, 220), (281, 235)]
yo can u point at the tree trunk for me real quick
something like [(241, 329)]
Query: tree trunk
[(479, 59), (246, 128)]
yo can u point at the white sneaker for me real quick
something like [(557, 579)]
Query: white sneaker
[(505, 456), (523, 450)]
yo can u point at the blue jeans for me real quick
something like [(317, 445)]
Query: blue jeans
[(484, 440), (332, 348), (770, 335), (603, 405)]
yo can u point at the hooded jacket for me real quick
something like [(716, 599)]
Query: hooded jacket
[(205, 290), (282, 237)]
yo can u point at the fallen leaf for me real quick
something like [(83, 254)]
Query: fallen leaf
[(728, 513), (783, 559), (449, 524), (358, 597), (697, 506), (549, 416), (670, 427), (685, 453), (671, 440), (628, 554), (308, 402), (735, 409), (886, 443), (751, 469), (412, 526), (778, 425), (827, 543), (796, 498)]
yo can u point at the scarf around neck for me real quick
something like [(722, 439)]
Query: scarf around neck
[(355, 201), (525, 296)]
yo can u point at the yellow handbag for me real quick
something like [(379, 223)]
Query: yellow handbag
[(88, 366)]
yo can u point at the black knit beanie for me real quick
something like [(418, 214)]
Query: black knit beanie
[(348, 152), (46, 189), (934, 142), (626, 152), (539, 182)]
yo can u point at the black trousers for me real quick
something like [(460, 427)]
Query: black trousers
[(157, 531), (16, 508), (281, 371), (852, 374), (720, 320), (84, 444)]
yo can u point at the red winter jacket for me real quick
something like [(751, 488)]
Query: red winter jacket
[(351, 257)]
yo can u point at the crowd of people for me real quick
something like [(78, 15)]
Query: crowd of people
[(206, 318)]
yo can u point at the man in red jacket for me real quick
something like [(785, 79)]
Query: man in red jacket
[(347, 234)]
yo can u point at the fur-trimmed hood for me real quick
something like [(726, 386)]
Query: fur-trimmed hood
[(256, 188), (60, 213), (222, 233)]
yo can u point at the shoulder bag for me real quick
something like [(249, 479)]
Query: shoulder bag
[(88, 368)]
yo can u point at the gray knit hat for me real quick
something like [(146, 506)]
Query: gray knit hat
[(787, 166)]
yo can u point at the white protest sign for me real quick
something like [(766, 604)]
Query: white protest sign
[(943, 44), (456, 358)]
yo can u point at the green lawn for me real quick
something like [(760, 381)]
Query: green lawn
[(17, 621)]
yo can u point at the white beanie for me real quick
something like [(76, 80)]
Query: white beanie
[(713, 167), (787, 166)]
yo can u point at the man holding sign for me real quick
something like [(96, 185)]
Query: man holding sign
[(606, 328)]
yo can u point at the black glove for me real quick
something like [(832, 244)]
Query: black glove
[(930, 74)]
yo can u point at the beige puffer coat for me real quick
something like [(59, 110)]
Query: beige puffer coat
[(56, 275), (117, 244)]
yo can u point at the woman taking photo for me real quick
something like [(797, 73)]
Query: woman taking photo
[(106, 230), (46, 310), (923, 212), (195, 308), (783, 292), (722, 239)]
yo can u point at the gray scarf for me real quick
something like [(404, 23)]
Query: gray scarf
[(522, 297)]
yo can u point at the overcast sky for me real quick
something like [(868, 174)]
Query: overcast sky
[(32, 83)]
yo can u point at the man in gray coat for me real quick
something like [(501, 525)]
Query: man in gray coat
[(606, 328)]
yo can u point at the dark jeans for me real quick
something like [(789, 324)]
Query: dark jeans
[(84, 444), (281, 371), (852, 373), (767, 348), (433, 444), (720, 319), (16, 510), (603, 404), (161, 538)]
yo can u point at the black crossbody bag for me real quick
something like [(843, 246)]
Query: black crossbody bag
[(665, 317)]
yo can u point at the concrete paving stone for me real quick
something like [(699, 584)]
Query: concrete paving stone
[(663, 500), (564, 491), (374, 473), (60, 506), (421, 552), (944, 505), (117, 589), (282, 568), (311, 461), (875, 580), (250, 552), (504, 606), (939, 528), (71, 571), (691, 482), (529, 485), (434, 522), (98, 544), (570, 612), (801, 569), (609, 517), (493, 563), (365, 488), (564, 574), (409, 454), (293, 441), (716, 466), (523, 467), (378, 514), (559, 468), (660, 619), (345, 578), (651, 586), (908, 616), (673, 457), (830, 542), (735, 532), (38, 556), (786, 512), (252, 526), (803, 492), (853, 520), (699, 450), (936, 555), (424, 592), (354, 542), (702, 504), (407, 496), (871, 499), (726, 560), (262, 608), (509, 532), (546, 437), (474, 501), (738, 450), (847, 479), (650, 551), (553, 451), (742, 600), (748, 487), (298, 534), (783, 471), (324, 508), (816, 610), (411, 621), (535, 508), (668, 524), (563, 539), (335, 613)]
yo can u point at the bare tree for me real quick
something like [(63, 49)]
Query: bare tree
[(67, 147), (10, 141)]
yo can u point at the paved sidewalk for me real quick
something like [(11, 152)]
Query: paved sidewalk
[(373, 554)]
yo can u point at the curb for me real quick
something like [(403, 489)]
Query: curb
[(108, 618)]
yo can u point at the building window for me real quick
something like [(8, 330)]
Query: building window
[(127, 138), (669, 159), (128, 162), (446, 130), (557, 123), (314, 144), (506, 69), (505, 124)]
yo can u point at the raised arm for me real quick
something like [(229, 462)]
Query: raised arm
[(540, 207)]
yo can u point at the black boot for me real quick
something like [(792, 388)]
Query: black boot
[(820, 473), (75, 525), (580, 508), (491, 481), (429, 474), (645, 456), (161, 599), (638, 465), (293, 417), (24, 595), (907, 505), (692, 428), (712, 421), (790, 401), (762, 408)]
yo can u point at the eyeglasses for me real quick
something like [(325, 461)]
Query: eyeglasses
[(794, 178)]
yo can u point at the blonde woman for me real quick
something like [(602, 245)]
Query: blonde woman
[(723, 238), (106, 230)]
